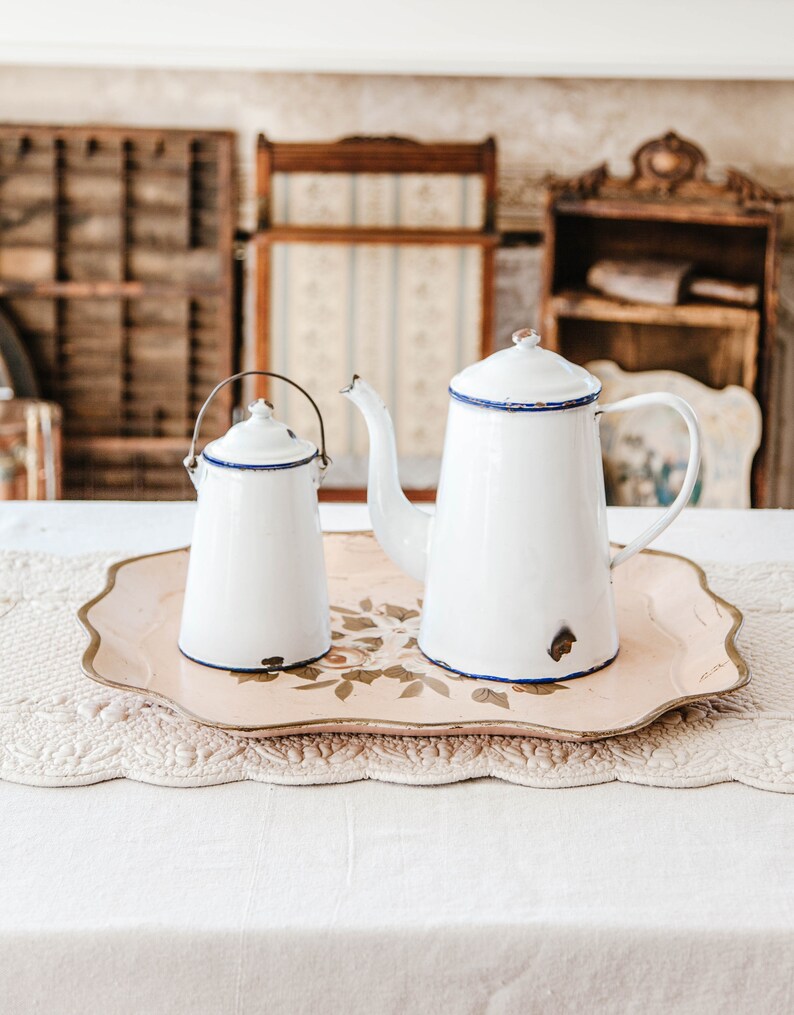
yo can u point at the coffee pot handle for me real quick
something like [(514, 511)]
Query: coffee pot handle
[(191, 459), (690, 477)]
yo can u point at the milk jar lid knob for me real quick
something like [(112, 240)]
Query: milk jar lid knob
[(261, 409), (525, 377)]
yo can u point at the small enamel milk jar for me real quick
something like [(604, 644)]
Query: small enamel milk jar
[(256, 597), (516, 561)]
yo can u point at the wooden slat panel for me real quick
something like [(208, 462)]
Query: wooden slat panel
[(116, 266)]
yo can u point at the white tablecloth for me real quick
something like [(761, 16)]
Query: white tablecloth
[(370, 897)]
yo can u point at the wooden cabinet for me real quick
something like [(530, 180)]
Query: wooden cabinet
[(116, 270), (667, 208)]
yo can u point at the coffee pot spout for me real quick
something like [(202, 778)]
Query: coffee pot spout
[(402, 529)]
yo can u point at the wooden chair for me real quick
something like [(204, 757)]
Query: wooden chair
[(645, 451), (374, 255)]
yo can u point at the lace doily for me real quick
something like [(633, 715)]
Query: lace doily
[(57, 728)]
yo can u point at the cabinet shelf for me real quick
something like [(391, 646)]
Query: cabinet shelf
[(704, 213), (588, 306)]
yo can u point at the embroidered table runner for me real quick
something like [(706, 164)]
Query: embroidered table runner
[(58, 728)]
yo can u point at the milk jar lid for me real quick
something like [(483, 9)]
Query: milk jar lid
[(259, 442), (525, 378)]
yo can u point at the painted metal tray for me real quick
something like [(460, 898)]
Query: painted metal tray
[(677, 646)]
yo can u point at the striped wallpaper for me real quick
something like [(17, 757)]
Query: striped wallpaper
[(405, 317)]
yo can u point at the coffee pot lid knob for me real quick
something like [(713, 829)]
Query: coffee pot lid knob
[(526, 338)]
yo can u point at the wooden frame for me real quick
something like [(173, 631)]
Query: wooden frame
[(667, 206), (393, 155), (124, 208)]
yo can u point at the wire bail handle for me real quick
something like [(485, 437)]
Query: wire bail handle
[(191, 459)]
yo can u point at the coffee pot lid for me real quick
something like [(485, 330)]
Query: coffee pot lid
[(525, 378), (260, 441)]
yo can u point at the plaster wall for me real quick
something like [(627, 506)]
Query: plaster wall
[(541, 125)]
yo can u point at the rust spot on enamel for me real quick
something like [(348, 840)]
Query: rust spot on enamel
[(561, 643)]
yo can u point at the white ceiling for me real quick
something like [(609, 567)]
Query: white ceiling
[(751, 39)]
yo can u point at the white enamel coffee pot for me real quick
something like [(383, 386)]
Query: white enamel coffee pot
[(516, 561), (256, 597)]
